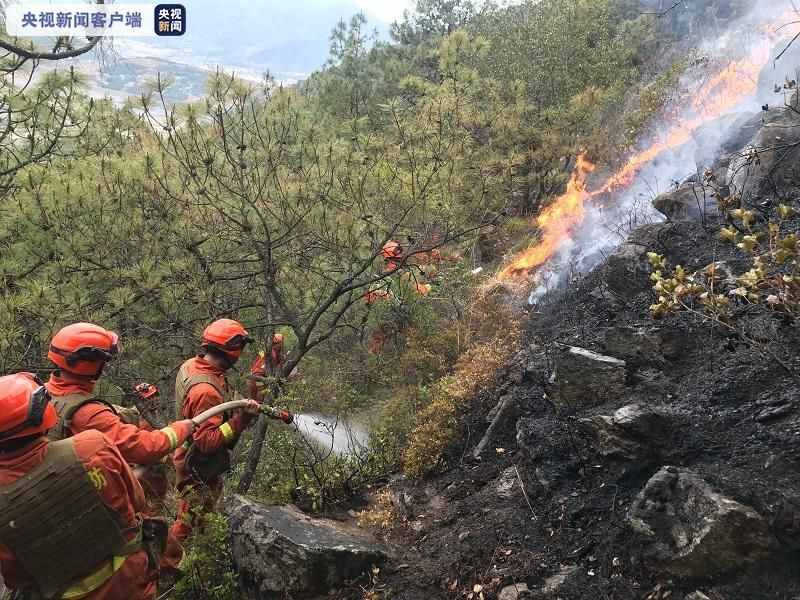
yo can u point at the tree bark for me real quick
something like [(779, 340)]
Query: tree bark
[(254, 455)]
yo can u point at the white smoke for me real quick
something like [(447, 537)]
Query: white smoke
[(610, 218)]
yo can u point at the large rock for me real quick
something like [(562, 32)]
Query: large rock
[(547, 444), (769, 167), (633, 432), (279, 551), (725, 135), (695, 531), (555, 582), (637, 346), (627, 270), (691, 202), (586, 379), (518, 591)]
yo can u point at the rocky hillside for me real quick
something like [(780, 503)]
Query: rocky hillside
[(622, 457), (629, 457)]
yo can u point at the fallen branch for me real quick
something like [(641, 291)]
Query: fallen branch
[(501, 409), (525, 492)]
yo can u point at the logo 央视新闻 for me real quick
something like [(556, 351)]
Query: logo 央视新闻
[(170, 19)]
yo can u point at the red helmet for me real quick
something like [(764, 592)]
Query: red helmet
[(392, 250), (25, 408), (227, 336), (83, 349)]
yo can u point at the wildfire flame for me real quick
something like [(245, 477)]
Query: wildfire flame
[(718, 96), (556, 222)]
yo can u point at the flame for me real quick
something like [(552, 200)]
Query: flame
[(715, 98), (555, 222)]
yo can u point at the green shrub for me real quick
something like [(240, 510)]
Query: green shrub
[(208, 564)]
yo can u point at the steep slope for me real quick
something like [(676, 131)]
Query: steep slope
[(693, 487)]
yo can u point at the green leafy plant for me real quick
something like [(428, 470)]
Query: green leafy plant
[(208, 565)]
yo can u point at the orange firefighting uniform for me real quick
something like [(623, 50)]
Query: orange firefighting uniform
[(137, 446), (213, 435), (258, 368), (129, 577)]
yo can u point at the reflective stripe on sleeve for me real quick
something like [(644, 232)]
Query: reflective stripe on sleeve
[(172, 435), (227, 431), (87, 585)]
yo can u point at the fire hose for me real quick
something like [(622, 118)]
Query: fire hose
[(269, 411)]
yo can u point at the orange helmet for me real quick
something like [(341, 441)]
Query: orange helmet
[(25, 408), (83, 349), (226, 336), (392, 250)]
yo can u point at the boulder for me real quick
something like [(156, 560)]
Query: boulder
[(691, 202), (633, 432), (725, 135), (637, 346), (553, 583), (514, 592), (742, 130), (278, 551), (695, 531), (626, 272), (546, 442), (769, 166), (585, 379), (507, 486), (716, 176)]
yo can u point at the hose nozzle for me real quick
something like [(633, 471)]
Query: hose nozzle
[(278, 414)]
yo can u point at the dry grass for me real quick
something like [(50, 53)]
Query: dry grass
[(495, 338), (380, 515)]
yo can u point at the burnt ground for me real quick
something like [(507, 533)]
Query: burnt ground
[(737, 412)]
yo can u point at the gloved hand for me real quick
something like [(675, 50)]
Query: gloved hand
[(179, 432), (252, 409)]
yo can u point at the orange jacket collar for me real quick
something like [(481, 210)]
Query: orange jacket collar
[(25, 459), (201, 365), (63, 383)]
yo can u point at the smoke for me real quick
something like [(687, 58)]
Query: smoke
[(724, 90)]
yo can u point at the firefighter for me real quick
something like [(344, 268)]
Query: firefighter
[(71, 525), (80, 353), (258, 369), (392, 253), (200, 385), (257, 382)]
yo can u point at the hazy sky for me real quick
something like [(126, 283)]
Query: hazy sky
[(284, 37), (386, 10)]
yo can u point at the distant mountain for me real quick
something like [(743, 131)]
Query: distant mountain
[(290, 40), (291, 37)]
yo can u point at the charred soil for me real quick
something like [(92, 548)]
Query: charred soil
[(547, 506)]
